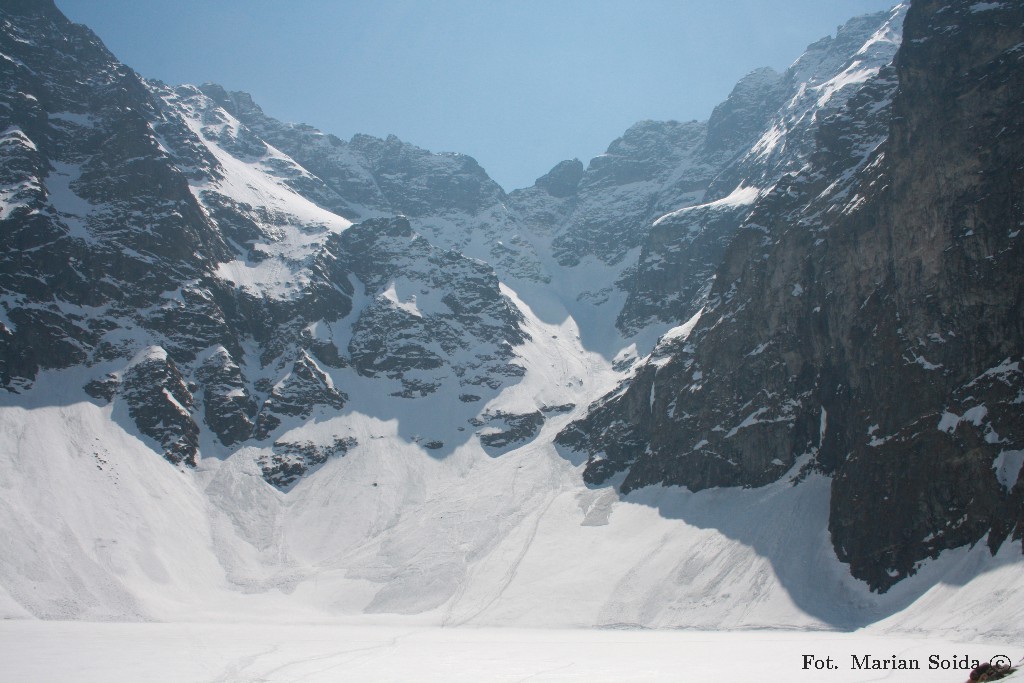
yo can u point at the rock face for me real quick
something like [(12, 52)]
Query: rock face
[(431, 312), (304, 388), (90, 203), (503, 430), (593, 221), (139, 216), (229, 409), (767, 128), (337, 177), (448, 198), (291, 460), (949, 411), (161, 405), (856, 325), (649, 221)]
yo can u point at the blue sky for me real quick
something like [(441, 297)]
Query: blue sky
[(517, 84)]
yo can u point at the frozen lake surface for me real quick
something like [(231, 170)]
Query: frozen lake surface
[(45, 652)]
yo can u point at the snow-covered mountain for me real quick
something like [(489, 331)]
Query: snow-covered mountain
[(250, 367)]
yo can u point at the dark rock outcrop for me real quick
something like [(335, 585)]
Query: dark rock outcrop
[(297, 394), (432, 314), (503, 429), (228, 407), (767, 128), (90, 202), (563, 180), (291, 460), (160, 405), (866, 319)]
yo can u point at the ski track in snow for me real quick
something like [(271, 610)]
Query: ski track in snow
[(304, 667), (44, 652), (510, 574), (234, 671)]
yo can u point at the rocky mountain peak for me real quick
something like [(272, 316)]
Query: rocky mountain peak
[(33, 8), (745, 112), (562, 180), (239, 103), (417, 182), (854, 42)]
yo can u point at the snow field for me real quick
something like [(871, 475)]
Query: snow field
[(51, 652)]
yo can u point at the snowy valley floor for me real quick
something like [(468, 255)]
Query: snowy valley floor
[(50, 652)]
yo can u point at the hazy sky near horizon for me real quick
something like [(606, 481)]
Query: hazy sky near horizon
[(519, 84)]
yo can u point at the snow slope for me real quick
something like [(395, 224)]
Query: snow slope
[(97, 527)]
